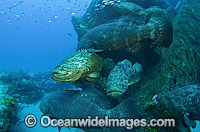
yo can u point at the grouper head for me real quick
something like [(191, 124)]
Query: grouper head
[(71, 68), (81, 64), (66, 72)]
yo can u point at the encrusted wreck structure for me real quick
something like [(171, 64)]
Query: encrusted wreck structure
[(166, 68)]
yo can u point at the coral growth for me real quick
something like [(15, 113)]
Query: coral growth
[(8, 108)]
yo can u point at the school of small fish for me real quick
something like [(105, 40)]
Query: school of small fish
[(105, 3)]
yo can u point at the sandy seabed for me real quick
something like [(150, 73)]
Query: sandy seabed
[(34, 109)]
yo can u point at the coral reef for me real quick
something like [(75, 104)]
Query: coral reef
[(18, 88), (8, 108), (178, 66), (30, 87), (22, 87)]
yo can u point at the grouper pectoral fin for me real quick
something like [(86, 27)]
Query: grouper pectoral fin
[(137, 69), (76, 77), (93, 76), (189, 122), (134, 79), (91, 79)]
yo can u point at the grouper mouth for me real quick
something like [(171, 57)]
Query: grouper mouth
[(58, 76), (65, 77)]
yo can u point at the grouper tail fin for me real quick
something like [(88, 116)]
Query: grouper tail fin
[(162, 31)]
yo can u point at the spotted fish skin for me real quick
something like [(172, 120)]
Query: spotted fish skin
[(180, 101), (89, 102), (119, 77), (125, 35), (125, 8), (81, 64), (75, 104)]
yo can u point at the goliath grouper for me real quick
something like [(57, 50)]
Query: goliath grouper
[(89, 102), (182, 102), (81, 64), (121, 76)]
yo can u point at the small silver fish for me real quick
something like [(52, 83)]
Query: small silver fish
[(178, 4), (94, 50), (106, 3)]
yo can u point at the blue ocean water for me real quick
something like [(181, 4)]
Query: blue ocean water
[(37, 35)]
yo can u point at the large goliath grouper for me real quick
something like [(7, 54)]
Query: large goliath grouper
[(81, 64), (120, 35), (121, 76), (89, 102), (182, 102), (125, 35)]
